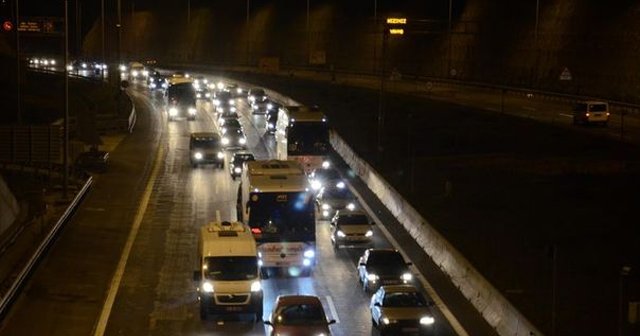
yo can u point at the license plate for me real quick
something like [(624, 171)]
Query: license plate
[(233, 308), (410, 329)]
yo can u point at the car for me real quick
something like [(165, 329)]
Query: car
[(350, 227), (261, 107), (401, 310), (230, 124), (272, 121), (94, 160), (224, 117), (181, 101), (383, 266), (237, 162), (224, 102), (591, 112), (202, 92), (200, 81), (156, 81), (235, 90), (320, 177), (256, 95), (234, 139), (206, 147), (335, 197), (298, 315)]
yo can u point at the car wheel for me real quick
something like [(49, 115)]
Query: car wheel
[(259, 315), (203, 312)]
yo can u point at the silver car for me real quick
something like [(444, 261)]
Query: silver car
[(401, 310)]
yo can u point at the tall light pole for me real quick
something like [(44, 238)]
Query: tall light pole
[(65, 150), (375, 40), (537, 20), (449, 30), (18, 64), (188, 11), (248, 33), (308, 35), (102, 34), (119, 28)]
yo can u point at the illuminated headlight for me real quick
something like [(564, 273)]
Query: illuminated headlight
[(205, 81), (242, 141), (368, 234), (208, 95), (220, 155), (152, 85), (216, 102), (52, 62), (341, 234), (325, 213), (309, 254), (407, 277), (232, 109), (269, 106), (145, 73), (187, 75), (173, 111), (165, 85), (326, 206), (84, 65), (372, 277), (45, 62), (239, 90), (270, 125), (326, 164), (351, 206), (69, 67), (427, 320), (192, 111), (225, 141), (306, 262), (256, 286), (232, 102), (220, 85), (385, 320), (122, 68), (255, 107), (207, 287), (340, 185), (237, 170), (198, 95), (134, 73), (316, 185), (252, 98), (197, 156)]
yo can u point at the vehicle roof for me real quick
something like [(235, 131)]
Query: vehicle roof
[(227, 239), (400, 289), (297, 299), (275, 167), (204, 135), (179, 80), (382, 250), (242, 153), (305, 113), (347, 212)]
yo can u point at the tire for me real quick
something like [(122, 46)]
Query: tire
[(203, 312), (259, 314)]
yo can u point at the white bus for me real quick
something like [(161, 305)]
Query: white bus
[(302, 134), (274, 200)]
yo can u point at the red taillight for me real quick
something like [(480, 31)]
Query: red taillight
[(256, 231)]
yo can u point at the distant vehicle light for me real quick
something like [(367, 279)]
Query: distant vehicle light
[(256, 286), (197, 156), (351, 206), (220, 85), (173, 111), (192, 111), (239, 90), (340, 185), (84, 65), (243, 141), (427, 320), (122, 68), (341, 234), (220, 155), (225, 141), (237, 170), (368, 234), (256, 230), (326, 164)]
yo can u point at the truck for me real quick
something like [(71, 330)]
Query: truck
[(228, 274)]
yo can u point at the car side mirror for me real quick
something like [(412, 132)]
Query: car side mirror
[(332, 321), (377, 304), (268, 323), (197, 276)]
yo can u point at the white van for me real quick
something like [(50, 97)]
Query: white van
[(588, 112), (229, 271)]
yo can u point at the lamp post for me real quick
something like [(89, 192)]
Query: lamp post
[(102, 36), (65, 151), (18, 64), (119, 35), (449, 33), (308, 35), (248, 33), (188, 12)]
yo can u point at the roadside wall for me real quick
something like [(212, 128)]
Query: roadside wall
[(496, 310), (8, 206)]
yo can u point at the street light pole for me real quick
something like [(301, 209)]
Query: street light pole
[(65, 154), (119, 28), (102, 34), (381, 95), (449, 28), (248, 33), (375, 27), (308, 35), (537, 19), (18, 64), (188, 12)]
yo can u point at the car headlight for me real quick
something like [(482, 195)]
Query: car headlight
[(207, 287), (208, 95), (326, 164), (233, 109), (197, 156), (220, 155), (152, 85), (309, 253), (165, 85), (198, 95), (254, 107), (70, 67), (341, 234), (256, 286), (270, 125), (340, 185), (269, 106), (386, 320), (351, 206), (122, 68), (53, 62), (216, 102), (372, 277), (84, 65), (427, 320), (316, 185), (145, 73), (368, 234), (173, 111), (232, 102), (326, 206), (225, 141), (242, 141), (192, 111), (134, 73), (407, 277), (306, 262), (237, 170)]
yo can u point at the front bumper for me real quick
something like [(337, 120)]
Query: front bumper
[(236, 303)]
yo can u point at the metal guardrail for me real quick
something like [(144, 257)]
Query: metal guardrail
[(14, 290)]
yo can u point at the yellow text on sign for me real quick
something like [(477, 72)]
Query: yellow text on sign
[(396, 31), (396, 20)]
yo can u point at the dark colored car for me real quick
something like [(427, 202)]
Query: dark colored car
[(181, 101), (237, 162), (206, 147), (256, 95), (380, 267), (234, 139), (298, 315), (230, 124), (333, 198), (324, 177)]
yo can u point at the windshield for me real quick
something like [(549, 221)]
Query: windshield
[(205, 143), (181, 93), (308, 138), (352, 219), (339, 193), (404, 299), (231, 268), (239, 159), (326, 174), (257, 92), (598, 107), (287, 214), (385, 258), (301, 314)]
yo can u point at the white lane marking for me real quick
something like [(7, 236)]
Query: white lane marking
[(218, 216), (117, 277), (332, 309), (455, 324), (566, 115)]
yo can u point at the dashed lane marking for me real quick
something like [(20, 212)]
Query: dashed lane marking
[(332, 309)]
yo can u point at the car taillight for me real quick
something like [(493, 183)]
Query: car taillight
[(256, 231)]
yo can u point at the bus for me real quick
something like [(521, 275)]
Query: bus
[(274, 200), (302, 134)]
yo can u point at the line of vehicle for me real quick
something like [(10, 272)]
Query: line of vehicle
[(117, 277), (453, 321)]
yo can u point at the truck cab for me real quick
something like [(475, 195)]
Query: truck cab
[(228, 275), (181, 99)]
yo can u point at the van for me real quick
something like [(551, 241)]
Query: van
[(206, 147), (591, 112), (228, 274)]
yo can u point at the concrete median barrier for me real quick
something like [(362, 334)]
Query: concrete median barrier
[(494, 307), (8, 206)]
